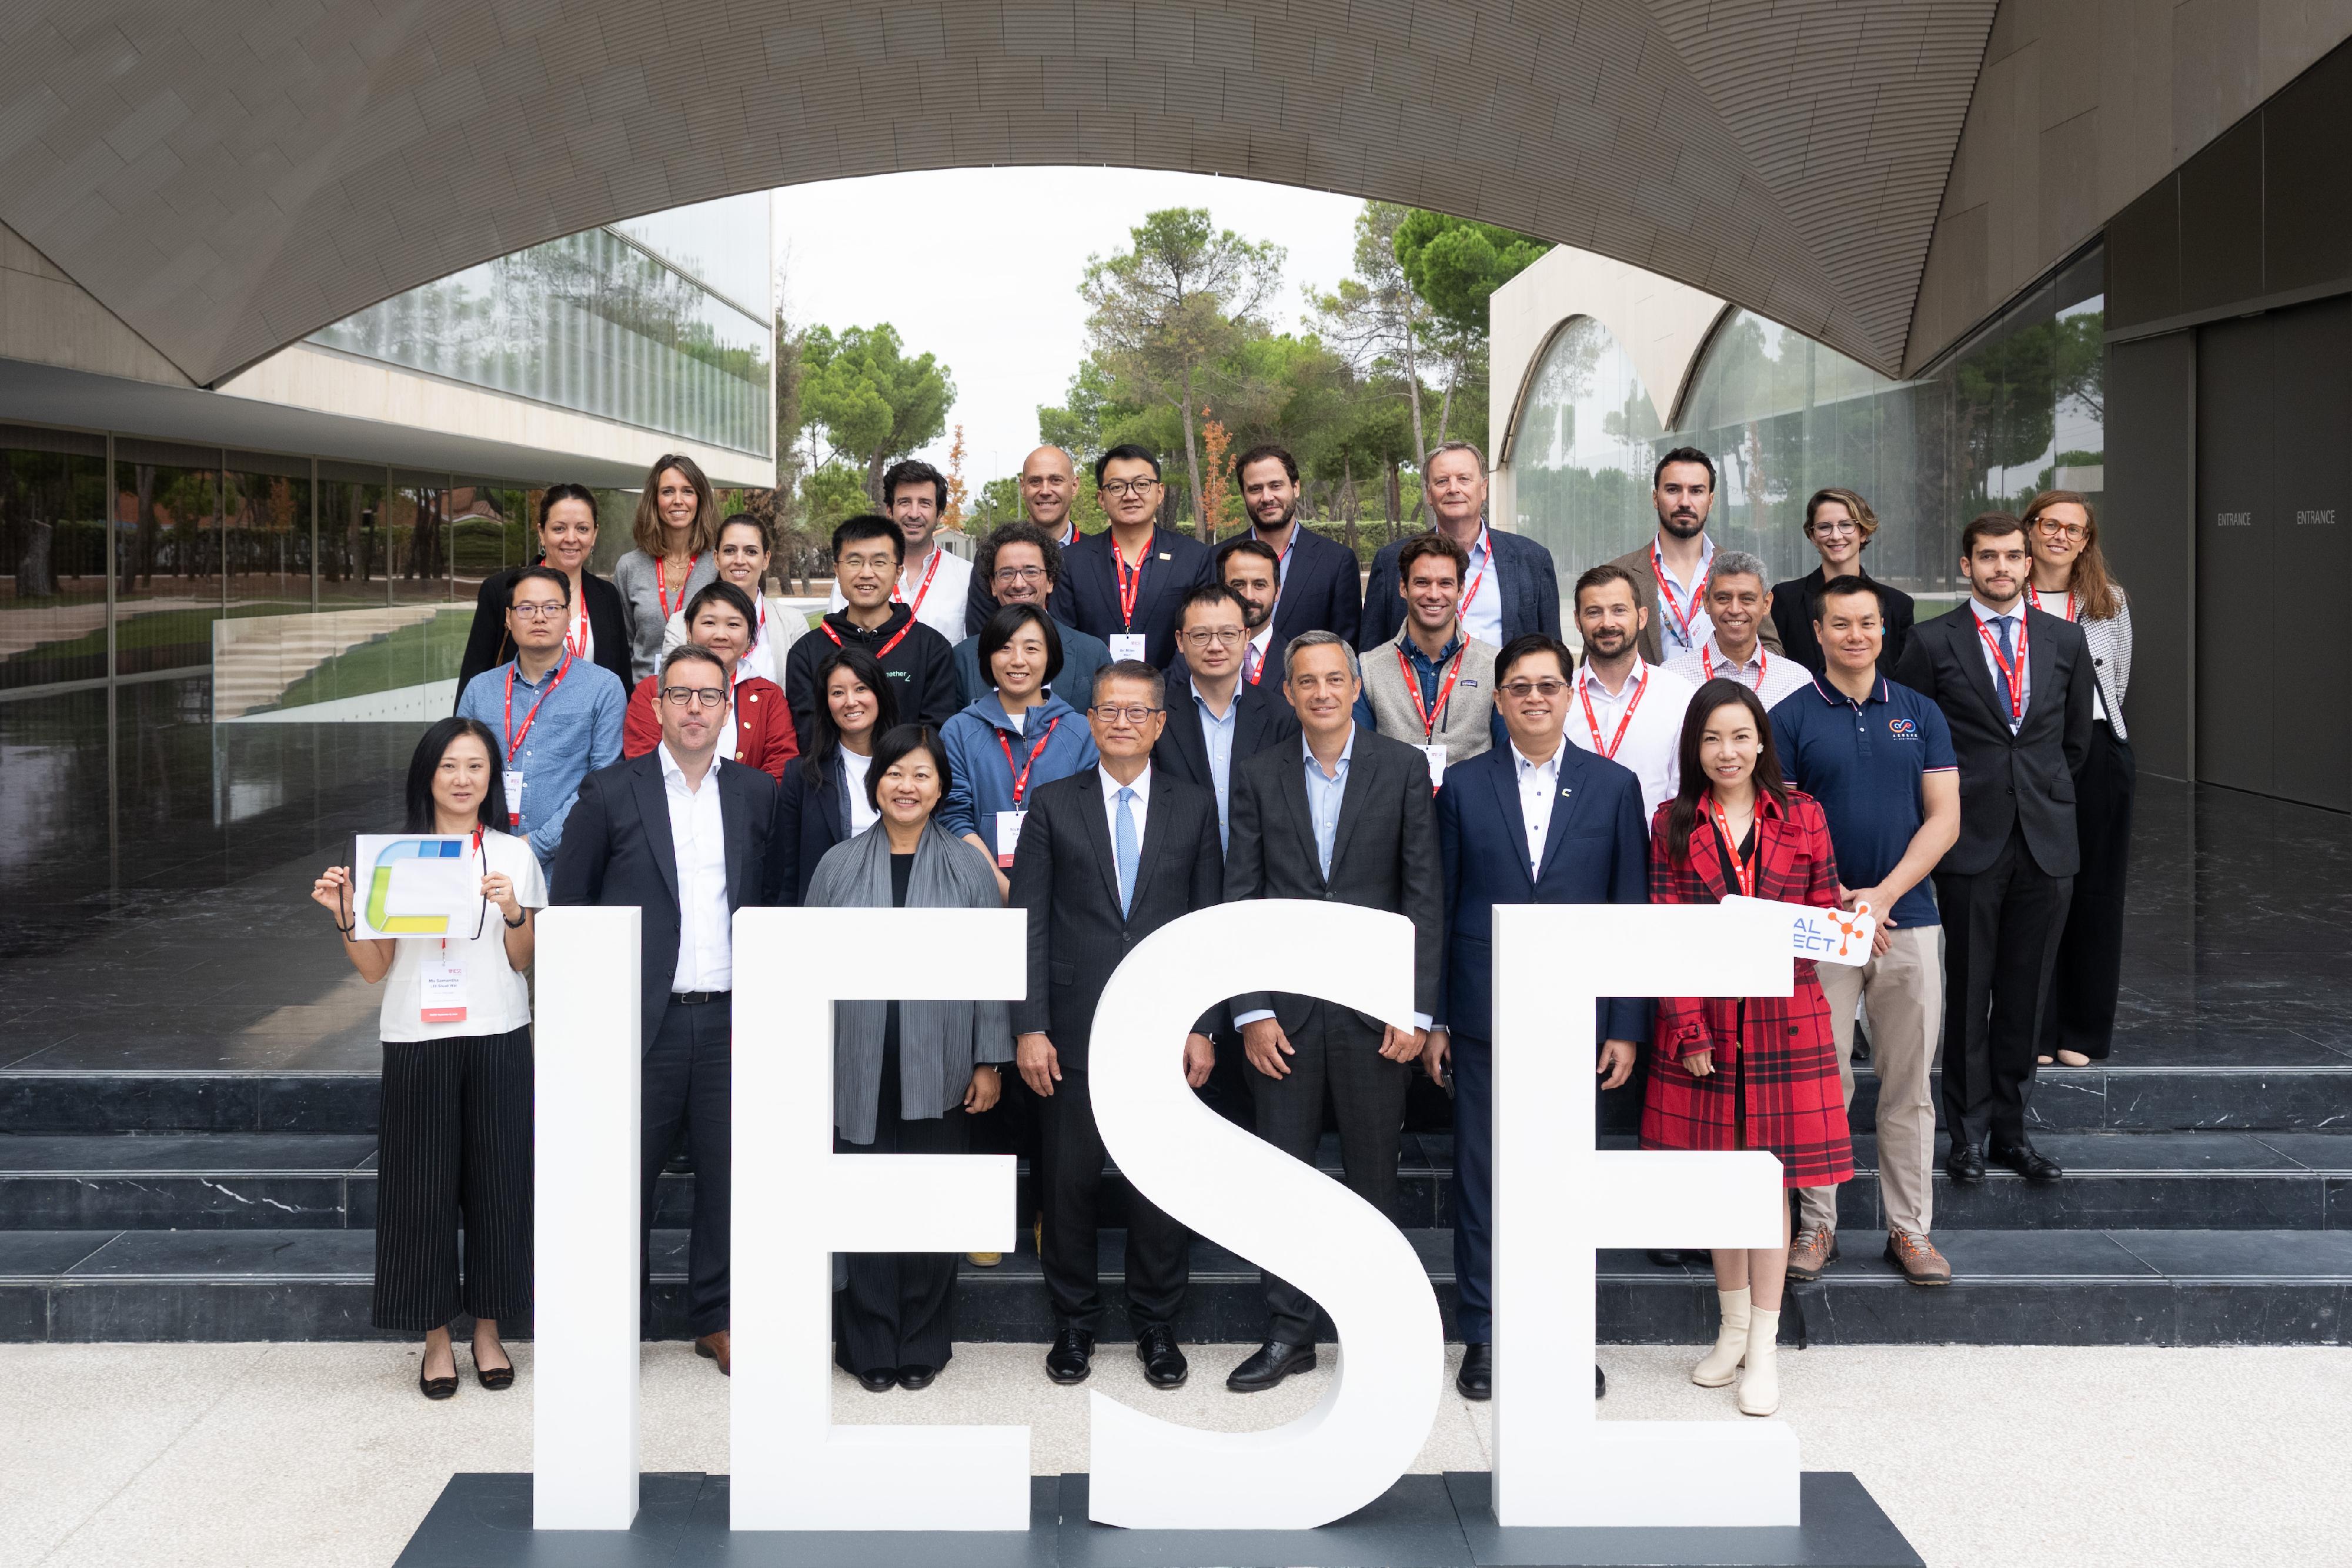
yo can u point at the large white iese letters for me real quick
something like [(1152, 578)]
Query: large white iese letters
[(1555, 1201)]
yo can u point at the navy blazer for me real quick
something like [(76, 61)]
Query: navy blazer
[(1087, 595), (1596, 850), (809, 821), (1182, 753), (1323, 592), (617, 850), (1529, 580)]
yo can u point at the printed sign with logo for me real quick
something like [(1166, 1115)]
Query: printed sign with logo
[(1824, 935)]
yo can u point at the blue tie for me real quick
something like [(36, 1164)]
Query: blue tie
[(2001, 675), (1123, 845)]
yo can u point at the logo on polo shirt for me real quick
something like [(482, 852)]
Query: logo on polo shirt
[(1901, 729)]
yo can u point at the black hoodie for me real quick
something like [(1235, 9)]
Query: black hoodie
[(920, 663)]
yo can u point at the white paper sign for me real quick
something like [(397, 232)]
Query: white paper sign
[(414, 885), (1824, 935)]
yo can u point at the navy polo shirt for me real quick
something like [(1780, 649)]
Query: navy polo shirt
[(1863, 761)]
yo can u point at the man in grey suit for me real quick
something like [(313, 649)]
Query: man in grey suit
[(1106, 857), (1344, 815)]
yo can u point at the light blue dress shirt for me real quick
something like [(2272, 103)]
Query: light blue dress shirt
[(1217, 735), (1483, 618), (1324, 794)]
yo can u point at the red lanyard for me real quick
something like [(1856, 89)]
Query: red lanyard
[(2038, 605), (1247, 649), (1584, 690), (2014, 672), (1130, 584), (514, 737), (661, 581), (577, 642), (924, 592), (1476, 582), (1706, 667), (884, 651), (1683, 618), (1745, 870), (1020, 780), (478, 830), (1430, 716)]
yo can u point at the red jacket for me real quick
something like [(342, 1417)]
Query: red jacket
[(1775, 1080), (763, 725)]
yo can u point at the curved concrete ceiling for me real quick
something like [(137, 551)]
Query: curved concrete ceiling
[(228, 177)]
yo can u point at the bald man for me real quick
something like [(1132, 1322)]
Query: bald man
[(1049, 483)]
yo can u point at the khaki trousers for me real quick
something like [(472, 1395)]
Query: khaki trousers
[(1903, 989)]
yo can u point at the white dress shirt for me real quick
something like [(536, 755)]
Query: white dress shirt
[(697, 837), (942, 604), (1771, 676), (1651, 746), (2065, 606), (1990, 639), (1670, 630), (862, 816), (1538, 787), (1261, 650)]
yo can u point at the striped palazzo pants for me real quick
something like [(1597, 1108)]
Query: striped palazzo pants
[(456, 1151)]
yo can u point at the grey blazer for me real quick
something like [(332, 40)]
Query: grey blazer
[(636, 576), (938, 1042)]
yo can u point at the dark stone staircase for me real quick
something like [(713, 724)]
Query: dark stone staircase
[(2209, 1201)]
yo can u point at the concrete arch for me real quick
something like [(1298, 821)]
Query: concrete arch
[(225, 179)]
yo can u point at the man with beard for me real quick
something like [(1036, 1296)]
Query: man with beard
[(1737, 602), (1674, 564), (1318, 585), (1248, 566), (1020, 565), (1512, 587), (1048, 485), (1623, 708)]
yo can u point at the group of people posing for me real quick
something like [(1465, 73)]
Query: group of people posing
[(1111, 731)]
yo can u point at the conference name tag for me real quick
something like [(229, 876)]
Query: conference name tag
[(1824, 935), (514, 791), (1436, 755), (444, 991), (1126, 646), (1008, 836)]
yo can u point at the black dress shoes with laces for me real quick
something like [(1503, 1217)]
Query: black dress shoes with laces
[(1476, 1378), (2026, 1160), (1072, 1357), (1273, 1362), (1964, 1164), (1163, 1363)]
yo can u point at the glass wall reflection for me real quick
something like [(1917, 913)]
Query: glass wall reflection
[(53, 550)]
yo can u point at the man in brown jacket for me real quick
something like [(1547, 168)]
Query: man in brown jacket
[(1682, 489)]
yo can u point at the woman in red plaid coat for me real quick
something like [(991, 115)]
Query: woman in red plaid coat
[(1756, 1072)]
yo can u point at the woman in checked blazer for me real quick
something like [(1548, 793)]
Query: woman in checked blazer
[(1754, 1073)]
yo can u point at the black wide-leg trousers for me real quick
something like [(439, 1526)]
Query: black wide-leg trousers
[(898, 1308), (455, 1152), (2082, 1012)]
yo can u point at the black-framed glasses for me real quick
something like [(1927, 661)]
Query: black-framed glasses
[(686, 696), (539, 610), (1129, 486), (1019, 574)]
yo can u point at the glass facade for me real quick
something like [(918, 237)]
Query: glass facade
[(2019, 408), (661, 323)]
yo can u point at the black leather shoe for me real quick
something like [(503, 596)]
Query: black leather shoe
[(1600, 1382), (2026, 1161), (1072, 1357), (1163, 1363), (881, 1380), (916, 1376), (1665, 1258), (1273, 1362), (1476, 1378), (435, 1387), (1964, 1164)]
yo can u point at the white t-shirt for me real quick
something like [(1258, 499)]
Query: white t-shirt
[(853, 774), (1651, 744), (496, 997)]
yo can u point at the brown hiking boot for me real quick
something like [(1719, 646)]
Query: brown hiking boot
[(1917, 1257), (1813, 1251)]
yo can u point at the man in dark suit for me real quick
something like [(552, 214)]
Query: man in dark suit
[(1106, 857), (1512, 587), (2015, 686), (1345, 815), (1124, 585), (1216, 720), (1320, 588), (1535, 821), (683, 834)]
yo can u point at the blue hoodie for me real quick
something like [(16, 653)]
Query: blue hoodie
[(975, 741)]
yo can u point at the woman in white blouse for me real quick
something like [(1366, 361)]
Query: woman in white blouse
[(2070, 579), (456, 1138)]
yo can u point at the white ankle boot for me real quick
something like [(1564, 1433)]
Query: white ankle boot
[(1759, 1390), (1730, 1341)]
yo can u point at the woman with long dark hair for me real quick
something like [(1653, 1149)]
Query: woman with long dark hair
[(2070, 579), (595, 629), (676, 536), (1756, 1072), (456, 1147), (908, 1077), (823, 799)]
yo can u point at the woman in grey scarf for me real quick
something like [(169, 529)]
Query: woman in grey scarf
[(908, 1077)]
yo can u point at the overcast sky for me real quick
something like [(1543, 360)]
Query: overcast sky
[(981, 267)]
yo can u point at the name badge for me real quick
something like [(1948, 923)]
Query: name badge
[(1824, 935), (1008, 836), (514, 793), (1436, 755), (1126, 646), (444, 991)]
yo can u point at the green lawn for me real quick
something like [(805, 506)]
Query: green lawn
[(429, 651)]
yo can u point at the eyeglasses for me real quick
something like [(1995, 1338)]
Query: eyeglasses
[(2052, 528), (1520, 691), (1841, 526), (1134, 713), (1129, 486), (1019, 574), (537, 610), (686, 696), (1221, 636)]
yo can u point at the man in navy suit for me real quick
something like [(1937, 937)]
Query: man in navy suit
[(1512, 587), (1126, 584), (1535, 821), (1318, 585)]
